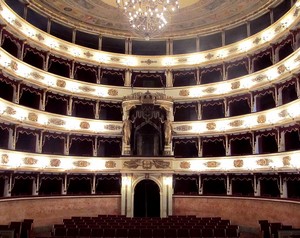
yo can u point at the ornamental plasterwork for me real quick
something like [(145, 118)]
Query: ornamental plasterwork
[(81, 163), (56, 121), (32, 117), (184, 93), (281, 69), (185, 165), (111, 127), (236, 123), (55, 162), (147, 164), (235, 85), (283, 113), (261, 119), (212, 164), (257, 40), (86, 89), (10, 111), (61, 83), (40, 37), (264, 162), (183, 128), (63, 47), (30, 160), (209, 90), (84, 125), (14, 65), (88, 54), (211, 126), (4, 159), (110, 164), (259, 78), (112, 92), (37, 76), (238, 163), (286, 160)]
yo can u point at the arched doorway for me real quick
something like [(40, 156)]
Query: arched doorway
[(146, 199)]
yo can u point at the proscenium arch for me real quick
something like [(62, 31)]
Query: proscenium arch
[(158, 182)]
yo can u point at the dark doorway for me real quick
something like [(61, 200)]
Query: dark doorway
[(146, 199)]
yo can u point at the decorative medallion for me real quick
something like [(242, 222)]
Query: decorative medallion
[(232, 50), (63, 47), (209, 56), (40, 37), (4, 159), (81, 163), (236, 123), (56, 121), (114, 59), (211, 126), (10, 111), (286, 160), (297, 59), (148, 61), (212, 164), (259, 78), (238, 163), (261, 119), (55, 162), (279, 27), (86, 89), (14, 65), (17, 23), (88, 54), (183, 128), (112, 127), (84, 125), (112, 92), (61, 83), (184, 92), (36, 75), (281, 69), (283, 113), (1, 8), (32, 117), (257, 40), (185, 165), (209, 90), (160, 164), (264, 162), (296, 13), (182, 60), (235, 85), (147, 164), (131, 164), (30, 160), (110, 164)]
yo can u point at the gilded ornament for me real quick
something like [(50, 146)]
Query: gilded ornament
[(86, 89), (32, 117), (183, 128), (281, 69), (185, 165), (10, 111), (278, 28), (4, 159), (209, 90), (14, 65), (40, 37), (148, 61), (232, 50), (296, 13), (36, 75), (160, 164), (211, 126), (63, 47), (264, 162), (286, 160), (283, 113), (30, 160), (112, 92), (112, 127), (1, 8), (261, 119), (84, 125), (114, 59), (209, 56), (56, 121), (131, 164), (238, 163), (212, 164), (236, 123), (257, 40), (297, 58), (61, 83), (147, 164), (55, 162), (110, 164), (184, 92), (182, 60), (88, 54), (235, 85), (81, 163), (259, 78), (17, 23)]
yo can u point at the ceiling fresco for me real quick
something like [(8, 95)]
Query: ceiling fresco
[(193, 17)]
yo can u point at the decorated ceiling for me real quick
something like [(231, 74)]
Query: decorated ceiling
[(194, 16)]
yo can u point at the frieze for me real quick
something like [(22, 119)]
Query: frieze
[(32, 117), (264, 162), (236, 123), (160, 164), (61, 83), (148, 61), (147, 164), (84, 125), (81, 163), (131, 164), (86, 89), (257, 40), (183, 128), (112, 127), (56, 121), (286, 160), (88, 54), (281, 69), (63, 47), (114, 59), (112, 92), (184, 92), (238, 163), (37, 75), (209, 56), (4, 159), (211, 126), (110, 164), (30, 160), (10, 111), (17, 23), (185, 165), (261, 119), (209, 90), (40, 37), (14, 65), (259, 78), (212, 164), (55, 162), (235, 85)]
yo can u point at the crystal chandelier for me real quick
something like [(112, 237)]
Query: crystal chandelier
[(148, 17)]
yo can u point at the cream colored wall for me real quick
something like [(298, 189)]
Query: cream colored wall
[(241, 211)]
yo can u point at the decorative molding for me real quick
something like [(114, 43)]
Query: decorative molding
[(55, 162), (286, 160), (264, 162), (4, 159), (184, 92), (110, 164), (112, 92), (238, 163), (185, 165), (30, 160), (61, 83), (56, 121), (211, 126), (81, 163), (84, 125), (261, 119), (236, 123), (32, 117), (212, 164)]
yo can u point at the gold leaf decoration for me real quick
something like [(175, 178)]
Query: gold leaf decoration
[(1, 8), (55, 162), (209, 56), (17, 23), (161, 164), (39, 37), (84, 125), (147, 164), (183, 128), (238, 163), (257, 40), (283, 113), (236, 123), (212, 164), (81, 163), (60, 83), (211, 126), (112, 92), (286, 160), (10, 111), (88, 54), (281, 69), (4, 159), (86, 89), (14, 65), (30, 160), (114, 59), (235, 85), (259, 78), (36, 75), (185, 165), (297, 58), (112, 127), (110, 164), (209, 90), (32, 117), (63, 47), (264, 162), (56, 121), (261, 119), (184, 92), (131, 164)]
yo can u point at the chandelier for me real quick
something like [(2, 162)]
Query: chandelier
[(148, 17)]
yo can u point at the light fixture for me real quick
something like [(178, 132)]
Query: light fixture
[(148, 17)]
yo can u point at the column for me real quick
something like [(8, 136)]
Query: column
[(97, 111), (224, 71), (256, 186), (169, 78), (16, 96), (7, 186), (279, 97), (255, 144), (46, 62), (198, 44), (128, 74), (43, 101), (223, 38), (25, 11), (250, 64), (271, 15), (252, 103), (227, 145), (95, 147), (70, 109), (100, 42), (229, 185), (226, 108), (281, 141), (200, 189), (199, 110), (126, 195), (167, 196), (49, 25), (64, 185), (248, 28), (298, 87), (276, 96), (35, 185), (21, 51), (72, 69), (11, 139), (198, 75), (39, 143), (283, 187), (94, 184), (67, 145), (200, 151), (73, 35), (98, 79)]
